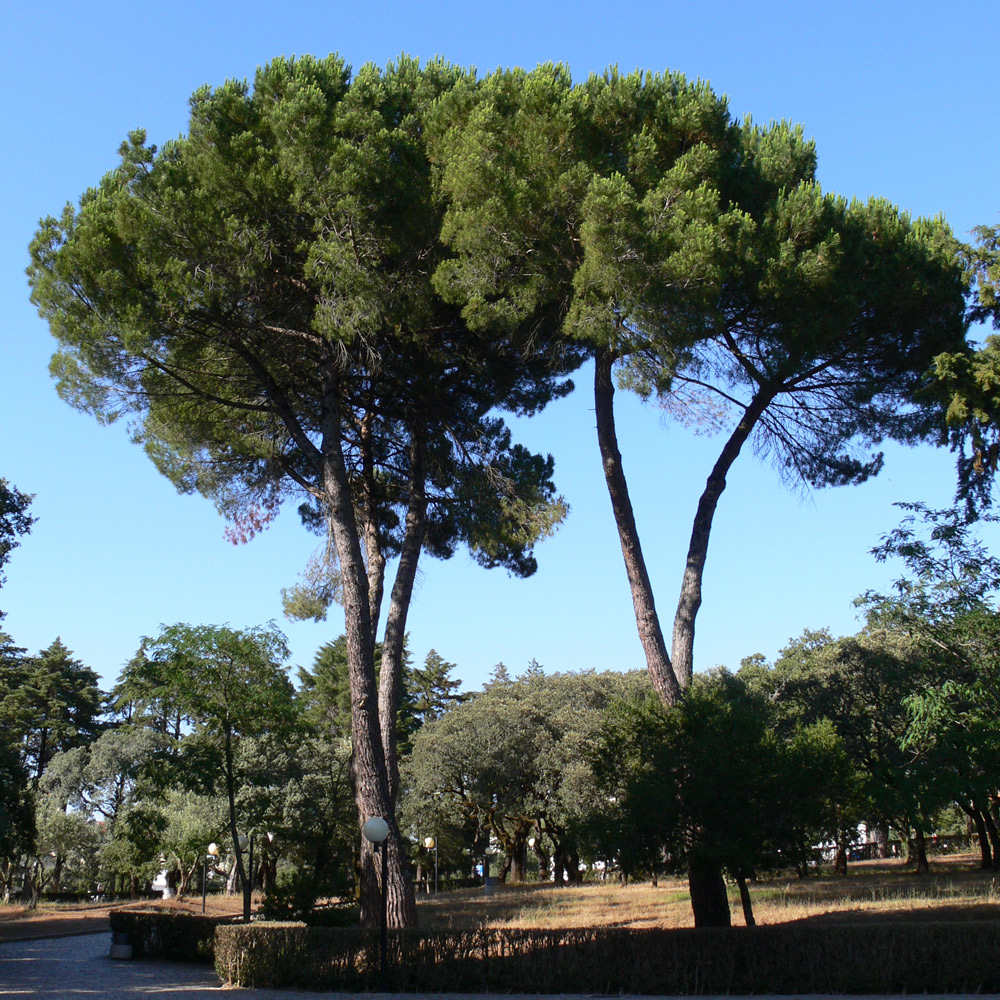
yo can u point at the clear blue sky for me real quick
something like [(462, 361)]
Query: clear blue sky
[(902, 101)]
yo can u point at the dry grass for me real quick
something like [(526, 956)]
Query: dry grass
[(954, 890)]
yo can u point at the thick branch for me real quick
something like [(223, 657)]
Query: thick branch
[(690, 597), (391, 680)]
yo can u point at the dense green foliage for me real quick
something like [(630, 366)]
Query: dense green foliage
[(511, 764)]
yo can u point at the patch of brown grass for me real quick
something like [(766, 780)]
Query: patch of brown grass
[(955, 889)]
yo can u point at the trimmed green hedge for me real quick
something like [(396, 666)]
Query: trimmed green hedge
[(158, 933), (873, 958)]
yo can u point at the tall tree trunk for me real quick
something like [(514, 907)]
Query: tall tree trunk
[(920, 852), (709, 898), (650, 633), (369, 770), (518, 861), (373, 546), (682, 648)]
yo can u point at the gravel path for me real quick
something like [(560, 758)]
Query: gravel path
[(79, 967)]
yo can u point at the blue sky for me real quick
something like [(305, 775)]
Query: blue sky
[(901, 99)]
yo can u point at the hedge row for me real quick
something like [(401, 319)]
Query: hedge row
[(884, 958), (158, 933)]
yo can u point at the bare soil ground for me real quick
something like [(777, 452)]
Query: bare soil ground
[(60, 919), (954, 889)]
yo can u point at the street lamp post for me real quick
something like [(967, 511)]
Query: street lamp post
[(431, 844), (375, 832), (213, 852), (245, 842)]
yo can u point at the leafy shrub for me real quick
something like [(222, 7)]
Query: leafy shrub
[(889, 958), (269, 953), (294, 898), (158, 933)]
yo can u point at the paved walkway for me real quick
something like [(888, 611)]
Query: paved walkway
[(68, 968)]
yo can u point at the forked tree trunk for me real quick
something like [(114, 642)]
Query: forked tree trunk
[(671, 672), (986, 855), (369, 771), (994, 834)]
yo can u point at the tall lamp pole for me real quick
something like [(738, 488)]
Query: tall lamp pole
[(213, 852), (431, 844), (245, 842), (375, 832)]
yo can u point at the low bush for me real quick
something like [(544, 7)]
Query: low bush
[(886, 958), (158, 933)]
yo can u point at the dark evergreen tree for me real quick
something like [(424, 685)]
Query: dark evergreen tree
[(432, 688), (51, 702)]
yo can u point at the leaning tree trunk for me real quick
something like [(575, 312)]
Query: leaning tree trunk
[(391, 679), (689, 601), (748, 917), (650, 633)]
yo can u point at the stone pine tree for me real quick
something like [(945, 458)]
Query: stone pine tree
[(255, 297), (701, 266)]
